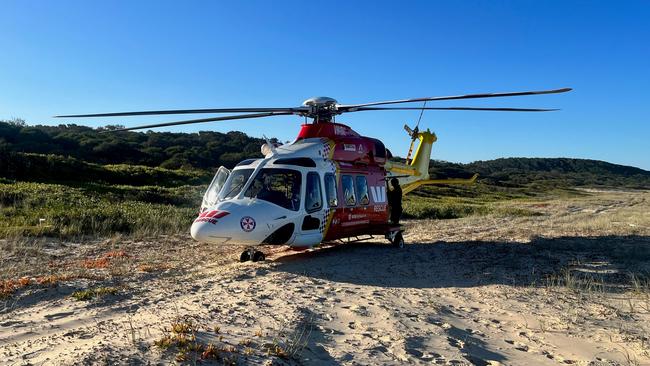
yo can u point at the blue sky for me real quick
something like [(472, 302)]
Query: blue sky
[(91, 56)]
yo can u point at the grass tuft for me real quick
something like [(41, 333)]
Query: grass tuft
[(89, 294)]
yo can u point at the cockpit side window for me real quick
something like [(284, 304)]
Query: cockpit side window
[(330, 190), (362, 189), (313, 194), (235, 183), (278, 186), (347, 184)]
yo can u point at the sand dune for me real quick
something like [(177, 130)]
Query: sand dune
[(557, 288)]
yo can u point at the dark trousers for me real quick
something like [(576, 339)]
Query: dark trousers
[(395, 214)]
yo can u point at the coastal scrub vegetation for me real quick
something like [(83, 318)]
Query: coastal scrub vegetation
[(71, 180)]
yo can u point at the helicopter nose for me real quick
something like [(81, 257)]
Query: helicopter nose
[(200, 231), (206, 232), (204, 227)]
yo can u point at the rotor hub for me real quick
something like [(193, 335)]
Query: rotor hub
[(320, 102), (321, 109)]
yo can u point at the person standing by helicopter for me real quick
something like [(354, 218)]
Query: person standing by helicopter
[(395, 201)]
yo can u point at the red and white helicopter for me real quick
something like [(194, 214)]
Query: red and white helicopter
[(329, 184)]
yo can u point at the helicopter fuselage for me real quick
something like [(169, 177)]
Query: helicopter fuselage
[(326, 185)]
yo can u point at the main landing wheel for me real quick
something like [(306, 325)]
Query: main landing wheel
[(398, 241), (245, 256), (251, 254), (258, 256)]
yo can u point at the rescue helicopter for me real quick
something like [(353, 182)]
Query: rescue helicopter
[(328, 185)]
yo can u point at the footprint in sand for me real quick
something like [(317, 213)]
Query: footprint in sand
[(456, 362), (58, 315), (518, 345), (439, 360), (358, 309), (475, 332), (437, 322), (548, 355), (468, 310), (12, 322), (457, 343)]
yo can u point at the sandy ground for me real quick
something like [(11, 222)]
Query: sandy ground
[(564, 287)]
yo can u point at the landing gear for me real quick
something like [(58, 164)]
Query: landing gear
[(258, 256), (245, 256), (396, 239), (251, 254)]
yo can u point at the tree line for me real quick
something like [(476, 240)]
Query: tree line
[(68, 152), (202, 150)]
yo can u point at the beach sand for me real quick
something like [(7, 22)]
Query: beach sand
[(565, 286)]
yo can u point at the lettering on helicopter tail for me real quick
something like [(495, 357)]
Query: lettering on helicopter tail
[(211, 216), (378, 193), (349, 147)]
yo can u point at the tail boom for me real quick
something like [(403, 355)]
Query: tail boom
[(416, 173)]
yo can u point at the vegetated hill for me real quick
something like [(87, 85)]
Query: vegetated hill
[(203, 150), (72, 152), (546, 172), (32, 167)]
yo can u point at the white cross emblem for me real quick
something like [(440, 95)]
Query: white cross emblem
[(247, 224)]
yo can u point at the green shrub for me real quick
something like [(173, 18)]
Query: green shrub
[(58, 210)]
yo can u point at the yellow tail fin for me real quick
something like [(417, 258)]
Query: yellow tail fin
[(416, 174)]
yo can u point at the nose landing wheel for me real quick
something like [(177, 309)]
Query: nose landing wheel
[(251, 254), (396, 239)]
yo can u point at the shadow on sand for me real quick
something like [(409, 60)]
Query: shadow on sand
[(609, 259)]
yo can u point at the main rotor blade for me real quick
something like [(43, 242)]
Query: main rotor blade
[(344, 107), (202, 120), (360, 109), (188, 111)]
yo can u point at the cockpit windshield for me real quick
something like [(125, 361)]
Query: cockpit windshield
[(212, 193), (235, 183), (278, 186)]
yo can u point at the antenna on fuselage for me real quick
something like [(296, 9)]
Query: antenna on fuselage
[(414, 133), (268, 149)]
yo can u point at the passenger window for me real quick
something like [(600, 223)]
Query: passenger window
[(348, 190), (330, 190), (362, 189), (313, 199)]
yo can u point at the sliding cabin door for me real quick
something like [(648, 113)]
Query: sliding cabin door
[(355, 204), (313, 223)]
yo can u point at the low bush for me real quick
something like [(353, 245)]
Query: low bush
[(64, 211)]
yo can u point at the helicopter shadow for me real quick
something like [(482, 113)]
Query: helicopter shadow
[(474, 263)]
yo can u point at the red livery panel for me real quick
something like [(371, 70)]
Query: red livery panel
[(362, 205)]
